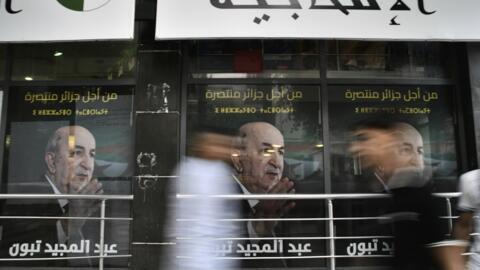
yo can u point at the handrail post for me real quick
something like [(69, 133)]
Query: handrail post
[(331, 234), (102, 234), (449, 213)]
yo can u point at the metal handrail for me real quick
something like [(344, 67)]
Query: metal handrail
[(337, 196), (102, 218), (66, 218), (330, 219), (342, 196), (66, 196), (290, 238), (447, 194)]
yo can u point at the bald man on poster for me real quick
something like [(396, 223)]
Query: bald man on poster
[(395, 150), (258, 161), (69, 160), (259, 168)]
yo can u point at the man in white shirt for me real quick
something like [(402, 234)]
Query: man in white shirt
[(468, 207), (193, 224)]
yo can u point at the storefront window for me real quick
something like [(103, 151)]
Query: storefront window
[(421, 148), (2, 62), (300, 59), (256, 59), (426, 109), (292, 109), (387, 59), (265, 117), (69, 140), (71, 61)]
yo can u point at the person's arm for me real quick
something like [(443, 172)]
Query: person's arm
[(449, 256), (462, 230), (448, 253), (273, 208), (463, 226), (467, 205)]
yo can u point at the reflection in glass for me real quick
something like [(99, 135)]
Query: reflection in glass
[(387, 59), (108, 61), (265, 117), (293, 109), (358, 115), (2, 62), (300, 59), (74, 140), (426, 108), (255, 59)]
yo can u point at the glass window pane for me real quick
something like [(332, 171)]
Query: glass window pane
[(107, 61), (293, 114), (382, 138), (2, 62), (387, 59), (426, 109), (255, 59), (74, 140)]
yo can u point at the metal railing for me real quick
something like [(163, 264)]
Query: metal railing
[(102, 198), (330, 219)]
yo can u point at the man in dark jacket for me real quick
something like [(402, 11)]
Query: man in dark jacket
[(258, 163), (395, 152), (69, 159)]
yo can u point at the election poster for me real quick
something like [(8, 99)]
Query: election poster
[(74, 141)]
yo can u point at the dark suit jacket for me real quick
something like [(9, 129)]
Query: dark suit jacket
[(416, 220), (247, 212), (30, 230), (414, 234)]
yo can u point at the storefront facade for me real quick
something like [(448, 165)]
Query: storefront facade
[(143, 98)]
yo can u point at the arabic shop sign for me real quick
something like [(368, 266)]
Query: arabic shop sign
[(347, 19), (66, 20)]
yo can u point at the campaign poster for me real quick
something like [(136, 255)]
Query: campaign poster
[(295, 111), (67, 140), (428, 110), (289, 112)]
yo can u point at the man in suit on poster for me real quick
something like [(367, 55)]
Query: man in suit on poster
[(396, 151), (258, 163), (69, 159)]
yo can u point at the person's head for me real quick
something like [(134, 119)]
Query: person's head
[(389, 147), (212, 146), (69, 157), (409, 151), (259, 163)]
